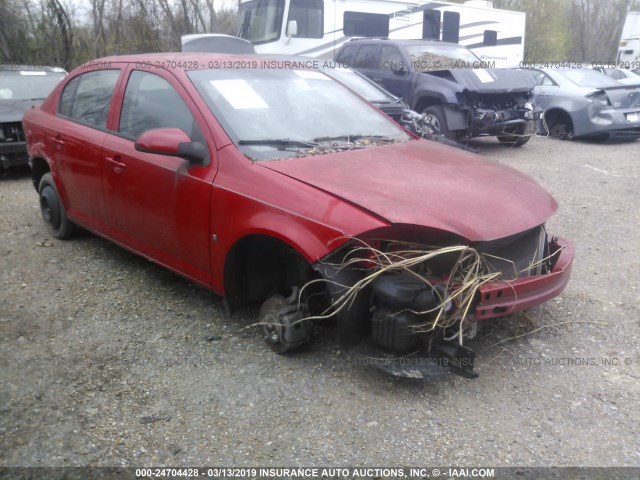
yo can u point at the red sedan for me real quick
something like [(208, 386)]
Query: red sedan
[(283, 188)]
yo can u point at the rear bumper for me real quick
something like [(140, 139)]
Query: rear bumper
[(630, 134), (503, 298), (597, 120)]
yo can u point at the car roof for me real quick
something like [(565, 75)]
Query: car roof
[(196, 60)]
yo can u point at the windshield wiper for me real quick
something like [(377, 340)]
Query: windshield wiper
[(357, 138), (279, 142)]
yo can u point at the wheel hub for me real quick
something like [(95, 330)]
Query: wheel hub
[(432, 122), (283, 324), (560, 131)]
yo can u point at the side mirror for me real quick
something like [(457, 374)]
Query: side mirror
[(292, 28), (172, 142), (399, 69)]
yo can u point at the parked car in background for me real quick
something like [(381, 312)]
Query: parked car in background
[(623, 75), (461, 97), (21, 87), (283, 187), (582, 102), (371, 91)]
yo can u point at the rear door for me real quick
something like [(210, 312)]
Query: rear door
[(159, 205), (75, 139)]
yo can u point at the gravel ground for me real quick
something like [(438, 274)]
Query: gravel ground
[(109, 360)]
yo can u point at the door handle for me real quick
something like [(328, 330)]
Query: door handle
[(116, 164), (377, 79), (57, 140)]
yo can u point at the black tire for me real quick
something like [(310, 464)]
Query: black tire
[(515, 139), (52, 210), (436, 120)]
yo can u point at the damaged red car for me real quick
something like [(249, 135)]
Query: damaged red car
[(284, 189)]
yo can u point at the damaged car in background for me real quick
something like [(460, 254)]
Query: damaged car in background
[(582, 102), (418, 124), (285, 190), (459, 95), (21, 87)]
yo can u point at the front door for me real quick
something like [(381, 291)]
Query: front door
[(158, 205)]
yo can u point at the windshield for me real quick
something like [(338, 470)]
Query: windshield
[(360, 85), (28, 84), (426, 58), (586, 77), (271, 114), (260, 20)]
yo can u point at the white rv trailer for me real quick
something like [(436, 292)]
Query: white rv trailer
[(629, 51), (318, 28)]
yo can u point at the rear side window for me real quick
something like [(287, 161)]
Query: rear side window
[(151, 102), (87, 97), (367, 57), (390, 58), (542, 79), (614, 73)]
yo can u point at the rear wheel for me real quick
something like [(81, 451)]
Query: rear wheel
[(515, 138), (52, 210), (435, 119)]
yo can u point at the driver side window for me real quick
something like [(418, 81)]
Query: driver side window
[(151, 102)]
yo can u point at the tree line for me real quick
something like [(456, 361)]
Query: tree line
[(67, 33), (572, 30)]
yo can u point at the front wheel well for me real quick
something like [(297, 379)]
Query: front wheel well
[(425, 102), (259, 266), (39, 167)]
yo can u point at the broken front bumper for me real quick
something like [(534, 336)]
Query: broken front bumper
[(381, 320), (13, 153), (520, 120), (502, 298)]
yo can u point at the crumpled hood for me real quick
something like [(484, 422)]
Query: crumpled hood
[(13, 110), (493, 80), (424, 183)]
